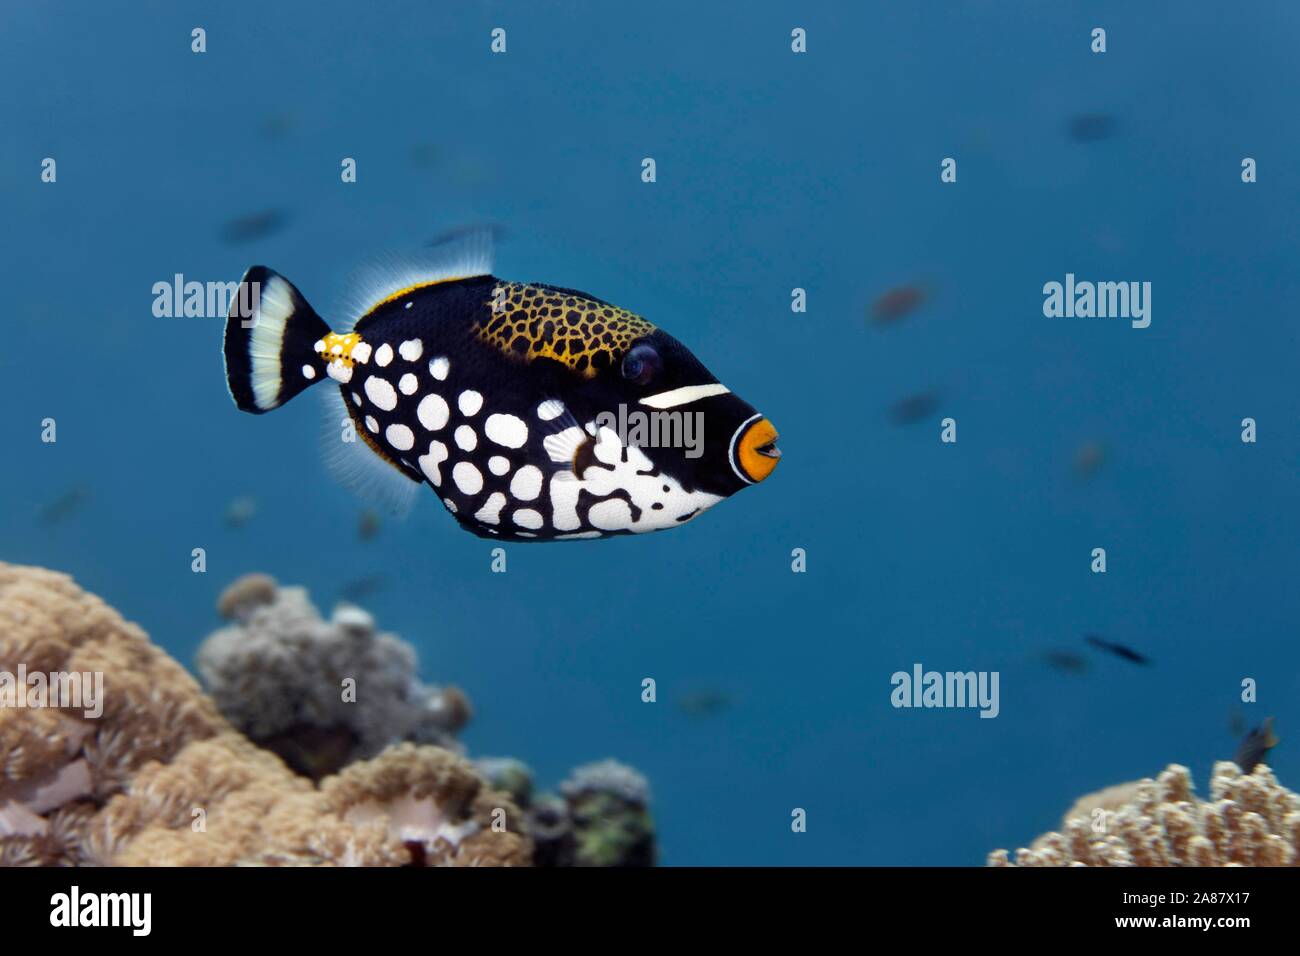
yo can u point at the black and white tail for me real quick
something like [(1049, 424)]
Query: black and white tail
[(271, 336)]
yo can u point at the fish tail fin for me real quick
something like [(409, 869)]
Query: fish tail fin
[(272, 341)]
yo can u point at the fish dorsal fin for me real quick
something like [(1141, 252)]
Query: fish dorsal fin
[(393, 274)]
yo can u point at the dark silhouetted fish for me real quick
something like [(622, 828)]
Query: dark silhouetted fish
[(255, 225), (1092, 127), (358, 589), (1067, 661), (897, 303), (703, 703), (1088, 459), (277, 125), (914, 408), (1119, 650), (368, 524), (1255, 746), (240, 511), (495, 232), (64, 506)]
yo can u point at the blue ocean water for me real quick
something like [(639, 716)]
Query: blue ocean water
[(775, 170)]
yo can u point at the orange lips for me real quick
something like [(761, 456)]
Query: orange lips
[(756, 452)]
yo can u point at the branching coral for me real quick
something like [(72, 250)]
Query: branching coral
[(1249, 820), (319, 693)]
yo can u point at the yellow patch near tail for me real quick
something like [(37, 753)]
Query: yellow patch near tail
[(339, 348)]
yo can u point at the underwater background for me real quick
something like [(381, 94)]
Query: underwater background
[(775, 171)]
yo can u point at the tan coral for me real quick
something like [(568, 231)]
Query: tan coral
[(246, 593), (1249, 820), (431, 797), (409, 805), (161, 779), (51, 757)]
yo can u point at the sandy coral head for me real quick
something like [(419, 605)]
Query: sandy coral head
[(1249, 820)]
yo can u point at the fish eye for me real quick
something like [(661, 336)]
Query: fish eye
[(641, 363)]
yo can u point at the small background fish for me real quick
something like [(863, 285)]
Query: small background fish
[(64, 506), (1255, 746), (254, 225), (897, 303), (1118, 650), (1092, 127)]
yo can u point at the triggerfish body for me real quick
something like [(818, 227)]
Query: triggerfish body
[(511, 400)]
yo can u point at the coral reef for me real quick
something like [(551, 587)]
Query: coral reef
[(601, 817), (320, 694), (150, 772), (58, 765), (411, 805), (1249, 820), (609, 804), (160, 778)]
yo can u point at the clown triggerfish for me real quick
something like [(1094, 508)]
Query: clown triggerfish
[(508, 398)]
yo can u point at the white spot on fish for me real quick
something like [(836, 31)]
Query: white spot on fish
[(506, 430), (407, 384), (360, 352), (527, 483), (383, 355), (450, 505), (470, 402), (528, 518), (439, 368), (411, 350), (432, 412), (400, 437), (466, 440), (490, 513), (468, 478), (372, 424), (308, 372), (429, 463), (380, 392), (550, 409), (498, 465)]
